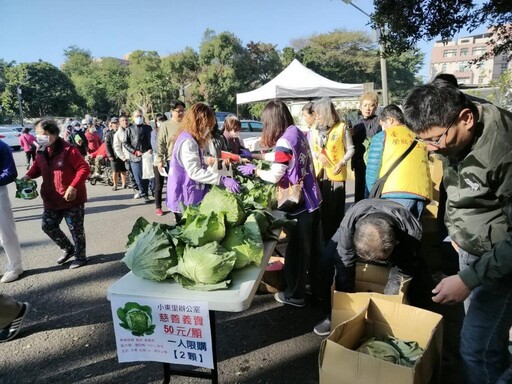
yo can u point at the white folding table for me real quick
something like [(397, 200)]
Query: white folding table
[(238, 297)]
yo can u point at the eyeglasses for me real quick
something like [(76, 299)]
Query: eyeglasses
[(437, 143)]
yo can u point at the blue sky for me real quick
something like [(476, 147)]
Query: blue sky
[(41, 29)]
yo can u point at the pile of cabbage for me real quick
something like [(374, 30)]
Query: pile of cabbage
[(220, 235)]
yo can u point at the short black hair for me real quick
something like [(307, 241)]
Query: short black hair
[(447, 77), (394, 111), (435, 104), (177, 103), (48, 125)]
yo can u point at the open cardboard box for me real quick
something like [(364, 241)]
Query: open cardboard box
[(371, 315)]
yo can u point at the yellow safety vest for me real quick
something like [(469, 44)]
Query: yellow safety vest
[(334, 149), (412, 175)]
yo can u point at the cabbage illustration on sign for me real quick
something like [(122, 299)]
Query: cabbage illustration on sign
[(136, 318)]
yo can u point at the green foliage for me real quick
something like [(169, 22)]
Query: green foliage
[(407, 22), (245, 240), (45, 90)]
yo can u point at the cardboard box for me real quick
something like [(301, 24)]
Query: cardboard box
[(375, 315), (373, 278), (273, 277)]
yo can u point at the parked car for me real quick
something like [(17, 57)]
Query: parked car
[(10, 136), (221, 116), (250, 134)]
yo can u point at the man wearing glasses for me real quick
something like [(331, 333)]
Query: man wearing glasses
[(475, 144)]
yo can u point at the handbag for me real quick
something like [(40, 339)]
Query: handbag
[(378, 187), (290, 198)]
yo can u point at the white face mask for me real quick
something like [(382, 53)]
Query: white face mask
[(43, 140), (138, 120), (235, 135)]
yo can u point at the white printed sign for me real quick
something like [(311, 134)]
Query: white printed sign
[(169, 331)]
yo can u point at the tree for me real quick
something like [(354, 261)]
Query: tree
[(223, 69), (352, 57), (180, 71), (147, 88), (407, 22), (46, 90), (113, 82)]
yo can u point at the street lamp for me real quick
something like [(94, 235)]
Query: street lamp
[(18, 91), (383, 66)]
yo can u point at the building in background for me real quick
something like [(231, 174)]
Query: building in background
[(455, 56)]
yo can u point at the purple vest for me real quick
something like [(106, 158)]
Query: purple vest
[(302, 169), (180, 187)]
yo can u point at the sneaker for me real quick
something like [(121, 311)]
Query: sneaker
[(279, 296), (10, 276), (77, 263), (137, 195), (323, 328), (12, 329), (66, 256), (147, 199), (159, 212)]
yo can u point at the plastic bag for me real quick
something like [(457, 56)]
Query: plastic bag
[(148, 171), (26, 190)]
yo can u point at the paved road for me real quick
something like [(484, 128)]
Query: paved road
[(68, 336)]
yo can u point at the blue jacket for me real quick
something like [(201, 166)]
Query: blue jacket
[(8, 171)]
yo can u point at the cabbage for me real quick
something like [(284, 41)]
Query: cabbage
[(136, 318), (151, 254), (245, 240), (204, 229), (204, 268), (219, 200)]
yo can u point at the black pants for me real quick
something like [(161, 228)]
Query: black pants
[(304, 245), (333, 206), (159, 187), (31, 156), (359, 168)]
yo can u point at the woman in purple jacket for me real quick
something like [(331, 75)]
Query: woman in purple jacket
[(292, 164), (189, 178)]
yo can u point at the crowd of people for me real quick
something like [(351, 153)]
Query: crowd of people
[(388, 153)]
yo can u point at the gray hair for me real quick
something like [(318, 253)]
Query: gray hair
[(325, 108), (374, 237)]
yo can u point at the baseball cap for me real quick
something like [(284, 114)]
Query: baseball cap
[(114, 120)]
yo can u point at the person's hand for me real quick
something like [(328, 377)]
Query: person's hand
[(339, 167), (70, 194), (137, 153), (245, 153), (150, 151), (226, 162), (247, 170), (450, 290), (26, 178), (111, 158), (324, 160), (209, 160), (230, 184), (160, 166)]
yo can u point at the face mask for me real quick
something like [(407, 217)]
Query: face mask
[(138, 120), (235, 135), (158, 124), (93, 129), (43, 140)]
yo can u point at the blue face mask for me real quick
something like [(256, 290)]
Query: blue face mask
[(138, 120)]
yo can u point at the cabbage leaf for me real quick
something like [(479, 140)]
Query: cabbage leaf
[(219, 200), (204, 268), (245, 240), (152, 253), (204, 229)]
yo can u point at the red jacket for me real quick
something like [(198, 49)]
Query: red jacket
[(61, 165), (94, 141)]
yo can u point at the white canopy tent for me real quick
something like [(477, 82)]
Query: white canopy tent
[(298, 82)]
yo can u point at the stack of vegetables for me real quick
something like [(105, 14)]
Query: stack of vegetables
[(223, 233)]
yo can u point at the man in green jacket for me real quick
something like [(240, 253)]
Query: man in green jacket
[(475, 144)]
